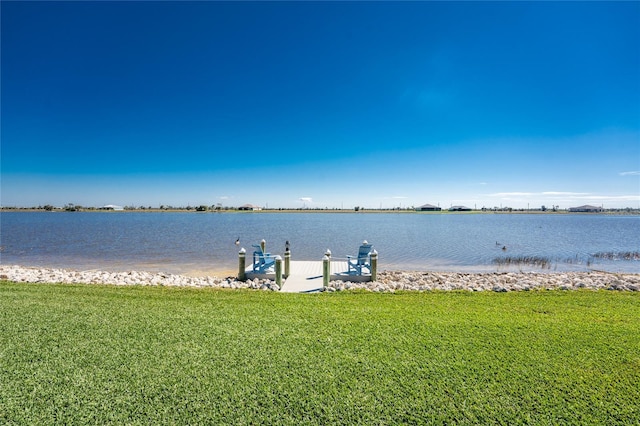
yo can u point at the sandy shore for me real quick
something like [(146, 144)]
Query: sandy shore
[(387, 281)]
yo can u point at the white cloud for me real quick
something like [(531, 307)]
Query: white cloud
[(634, 173), (512, 194), (538, 194), (306, 199), (611, 197), (564, 193)]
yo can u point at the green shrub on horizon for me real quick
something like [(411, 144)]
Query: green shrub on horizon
[(148, 355)]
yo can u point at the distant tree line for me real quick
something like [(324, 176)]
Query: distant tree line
[(71, 207)]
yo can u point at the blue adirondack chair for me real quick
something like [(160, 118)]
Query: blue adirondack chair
[(262, 261), (362, 261)]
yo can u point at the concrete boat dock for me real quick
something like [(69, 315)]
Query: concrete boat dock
[(306, 276)]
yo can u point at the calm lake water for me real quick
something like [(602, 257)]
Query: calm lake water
[(204, 243)]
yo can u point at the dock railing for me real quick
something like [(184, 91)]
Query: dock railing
[(345, 275)]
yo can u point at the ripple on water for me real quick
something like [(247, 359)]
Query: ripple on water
[(179, 242)]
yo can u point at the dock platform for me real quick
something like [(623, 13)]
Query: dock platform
[(306, 276)]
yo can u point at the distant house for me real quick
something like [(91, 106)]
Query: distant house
[(586, 209), (459, 209), (428, 208), (111, 207), (249, 207)]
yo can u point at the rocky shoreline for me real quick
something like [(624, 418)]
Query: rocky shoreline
[(388, 281), (50, 275)]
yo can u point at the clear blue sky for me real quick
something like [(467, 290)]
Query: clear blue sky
[(325, 104)]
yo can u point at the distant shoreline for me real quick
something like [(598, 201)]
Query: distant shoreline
[(625, 211)]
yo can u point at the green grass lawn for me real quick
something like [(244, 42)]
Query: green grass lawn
[(148, 355)]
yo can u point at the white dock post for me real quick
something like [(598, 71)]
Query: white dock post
[(326, 269), (241, 264), (374, 265), (287, 263), (263, 244), (279, 271)]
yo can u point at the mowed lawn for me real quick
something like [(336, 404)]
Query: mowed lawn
[(84, 354)]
